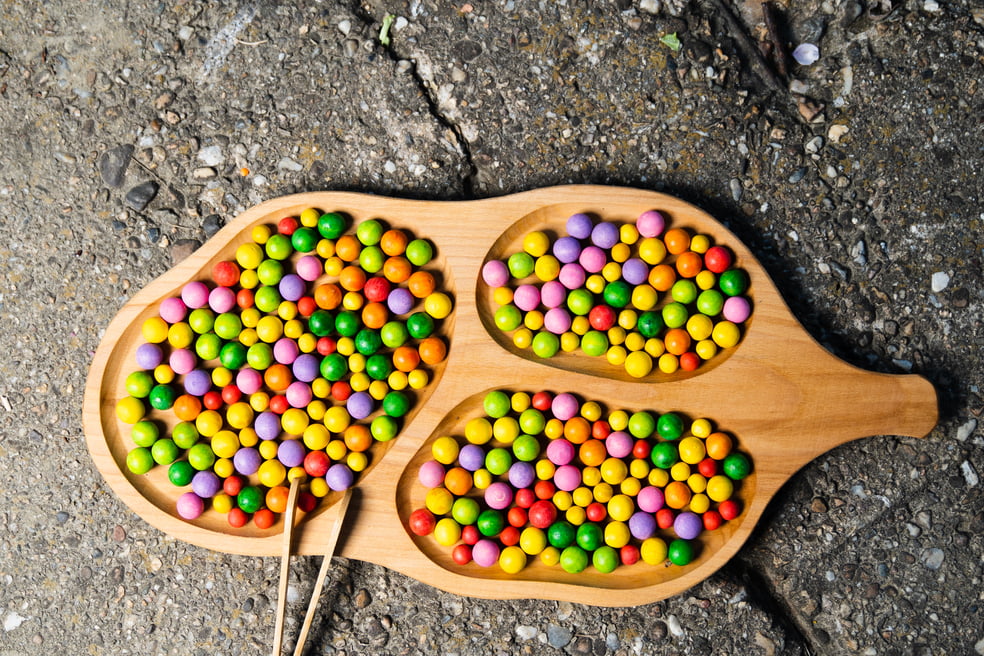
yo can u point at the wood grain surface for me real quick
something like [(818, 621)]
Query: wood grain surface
[(782, 396)]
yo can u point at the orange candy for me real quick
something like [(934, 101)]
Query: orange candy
[(328, 296), (592, 453), (352, 278), (357, 437), (396, 269), (577, 430), (393, 242), (406, 358), (278, 377), (347, 248), (264, 518), (458, 481), (718, 445), (421, 284), (677, 240), (689, 264), (187, 407), (276, 499), (677, 341), (662, 277), (677, 495), (374, 315), (432, 350)]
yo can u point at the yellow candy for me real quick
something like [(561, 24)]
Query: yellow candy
[(706, 349), (268, 449), (580, 325), (319, 487), (360, 381), (307, 343), (554, 428), (224, 468), (352, 301), (700, 243), (478, 431), (512, 560), (638, 364), (271, 473), (697, 483), (222, 503), (249, 256), (705, 280), (569, 342), (700, 504), (520, 401), (445, 450), (701, 428), (546, 268), (180, 335), (617, 534), (248, 437), (130, 410), (616, 355), (628, 233), (591, 476), (532, 540), (249, 279), (208, 423), (502, 296), (621, 507), (333, 265), (523, 338), (321, 388), (296, 474), (720, 488), (595, 283), (239, 415), (418, 379), (659, 477), (336, 450), (639, 468), (616, 335), (505, 429), (562, 500), (630, 486), (357, 461), (326, 250), (163, 374), (397, 380), (536, 243), (726, 334), (603, 493), (668, 363), (260, 234), (544, 469), (316, 437), (680, 471), (653, 551), (294, 421), (576, 515), (533, 320), (294, 329), (482, 478), (378, 390), (635, 342), (582, 497), (591, 410), (287, 310), (699, 326), (628, 319), (438, 305), (621, 252), (250, 317), (692, 450), (652, 250), (316, 409), (550, 556), (225, 443), (447, 532), (614, 471), (655, 347), (337, 419), (611, 272), (309, 217), (618, 420), (439, 501)]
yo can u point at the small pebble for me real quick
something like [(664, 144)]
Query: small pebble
[(940, 281), (203, 173), (558, 636), (113, 164), (287, 164), (140, 196), (969, 473), (211, 225), (211, 156), (797, 175), (966, 430), (933, 559), (674, 626), (736, 190), (525, 632)]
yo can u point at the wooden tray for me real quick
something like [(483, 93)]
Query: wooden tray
[(784, 398)]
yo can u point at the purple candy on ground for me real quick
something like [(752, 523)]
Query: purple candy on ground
[(650, 499), (579, 226), (299, 394), (309, 268), (736, 309), (206, 484), (182, 361), (222, 299), (190, 506), (604, 235), (400, 301), (687, 525), (471, 457), (305, 367), (564, 406), (198, 382), (149, 356), (635, 271), (431, 474), (291, 453), (521, 474), (495, 273), (553, 294), (173, 309), (485, 553), (642, 525), (359, 405), (267, 425), (339, 477), (567, 249), (619, 444), (249, 381), (285, 350), (650, 224), (560, 451), (195, 294), (593, 259), (247, 461), (498, 495), (292, 287), (572, 276)]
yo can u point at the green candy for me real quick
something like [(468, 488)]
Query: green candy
[(532, 421), (396, 404), (649, 324), (573, 559), (736, 466), (369, 232), (145, 433), (331, 225), (180, 473), (270, 272), (733, 282), (526, 448), (304, 239), (233, 356), (321, 323), (605, 559), (561, 534), (508, 317), (208, 346), (664, 455), (590, 536), (139, 460), (617, 293), (259, 356), (465, 511), (249, 499), (520, 265), (490, 523), (162, 397), (139, 384), (347, 323), (278, 247), (641, 425), (594, 343), (498, 461), (496, 404), (680, 552), (164, 452), (420, 252), (420, 325), (384, 428), (546, 344)]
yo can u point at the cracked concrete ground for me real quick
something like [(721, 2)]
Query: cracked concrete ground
[(859, 190)]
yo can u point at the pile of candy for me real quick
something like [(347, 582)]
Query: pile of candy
[(598, 289), (549, 476), (301, 354)]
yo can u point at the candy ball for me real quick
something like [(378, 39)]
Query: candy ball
[(431, 474), (566, 249), (604, 235), (687, 525), (557, 321), (579, 226), (359, 405), (249, 381), (572, 276), (642, 525), (182, 361), (650, 224), (195, 294), (190, 505), (592, 259), (471, 457), (560, 452), (339, 477), (564, 406), (222, 299), (495, 273), (173, 309), (567, 477), (521, 474), (206, 484), (309, 268), (291, 453), (197, 382), (149, 356), (400, 301), (737, 309), (247, 460), (619, 444), (526, 297), (650, 499), (498, 495), (635, 271), (485, 553)]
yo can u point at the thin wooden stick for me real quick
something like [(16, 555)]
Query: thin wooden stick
[(339, 511), (278, 632)]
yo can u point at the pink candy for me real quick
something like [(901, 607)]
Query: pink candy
[(553, 294), (527, 297), (564, 406), (222, 299), (309, 268), (618, 444), (173, 309), (557, 320), (431, 474), (593, 259), (195, 295), (567, 478), (650, 224), (190, 505), (182, 361), (495, 273), (485, 553), (736, 309), (498, 495)]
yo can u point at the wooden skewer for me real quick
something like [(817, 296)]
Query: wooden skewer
[(278, 632), (336, 529)]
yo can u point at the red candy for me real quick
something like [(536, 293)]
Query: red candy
[(629, 554), (376, 289), (596, 512), (542, 401), (225, 273), (525, 497), (600, 430), (279, 404), (516, 517), (316, 463), (542, 514), (341, 390), (326, 346), (264, 518), (708, 467), (601, 317), (422, 522), (288, 225), (306, 306), (237, 518), (306, 501), (462, 554), (641, 449), (544, 490), (232, 486), (689, 361), (712, 520), (509, 536), (470, 534), (231, 394), (212, 400), (244, 298), (729, 509), (717, 259), (665, 517)]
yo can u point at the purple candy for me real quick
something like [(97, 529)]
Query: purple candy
[(431, 474), (400, 301), (572, 276), (206, 484), (566, 249), (195, 295), (521, 474), (650, 499), (604, 235), (285, 350), (247, 460), (527, 297), (499, 495), (222, 299), (149, 356), (635, 271), (182, 361), (579, 226), (267, 425), (309, 268), (306, 367), (564, 406), (291, 453), (618, 444), (687, 525), (292, 287), (299, 394), (471, 457), (560, 452), (249, 381), (553, 294), (485, 553), (567, 477), (593, 259), (642, 525), (650, 224), (190, 505), (557, 320), (359, 405), (173, 309), (339, 477), (197, 382), (736, 309), (495, 273)]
